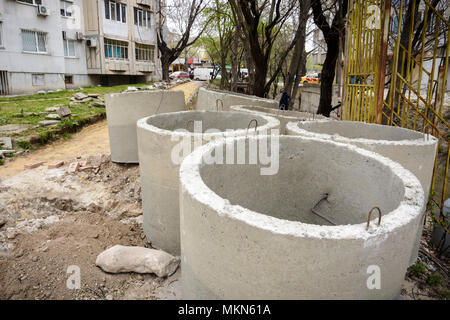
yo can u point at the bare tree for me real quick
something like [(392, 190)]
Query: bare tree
[(332, 34), (299, 55), (261, 22), (184, 16)]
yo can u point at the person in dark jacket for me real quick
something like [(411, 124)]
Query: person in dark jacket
[(284, 101)]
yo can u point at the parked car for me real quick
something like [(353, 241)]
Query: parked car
[(179, 75), (309, 79), (202, 73)]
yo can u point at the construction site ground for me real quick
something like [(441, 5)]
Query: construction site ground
[(51, 220)]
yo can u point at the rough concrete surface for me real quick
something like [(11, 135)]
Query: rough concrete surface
[(412, 149), (248, 236), (158, 138), (284, 116), (207, 100), (124, 109)]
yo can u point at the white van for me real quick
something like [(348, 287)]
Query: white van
[(202, 73)]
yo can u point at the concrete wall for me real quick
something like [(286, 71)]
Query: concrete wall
[(282, 115), (124, 109), (412, 149), (160, 141), (248, 236), (207, 100), (311, 97)]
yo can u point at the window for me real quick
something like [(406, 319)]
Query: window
[(145, 52), (69, 48), (68, 79), (64, 6), (142, 18), (35, 2), (115, 49), (1, 34), (115, 11), (33, 41), (38, 79)]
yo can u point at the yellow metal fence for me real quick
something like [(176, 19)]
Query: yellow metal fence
[(396, 67)]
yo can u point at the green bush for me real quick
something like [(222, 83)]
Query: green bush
[(434, 279), (24, 144)]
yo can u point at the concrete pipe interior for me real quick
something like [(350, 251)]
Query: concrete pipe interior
[(163, 141), (250, 236), (124, 109), (212, 99), (285, 116), (414, 150)]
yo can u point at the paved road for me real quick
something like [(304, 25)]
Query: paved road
[(91, 140)]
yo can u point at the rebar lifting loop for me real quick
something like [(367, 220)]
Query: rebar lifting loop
[(368, 217), (188, 122), (249, 124), (217, 104)]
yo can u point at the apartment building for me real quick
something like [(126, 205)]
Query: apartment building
[(121, 40), (58, 44)]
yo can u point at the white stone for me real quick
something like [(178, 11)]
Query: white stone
[(137, 259)]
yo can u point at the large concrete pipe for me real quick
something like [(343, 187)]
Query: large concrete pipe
[(285, 116), (412, 149), (301, 233), (124, 109), (164, 140), (211, 99)]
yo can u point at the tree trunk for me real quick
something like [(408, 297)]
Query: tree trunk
[(293, 73), (234, 63), (165, 64), (327, 78)]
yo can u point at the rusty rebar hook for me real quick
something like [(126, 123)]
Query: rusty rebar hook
[(368, 217), (313, 210), (217, 104), (248, 127)]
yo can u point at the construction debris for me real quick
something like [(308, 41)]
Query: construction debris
[(137, 259), (55, 165), (33, 165), (5, 142)]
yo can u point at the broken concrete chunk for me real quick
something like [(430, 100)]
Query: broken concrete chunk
[(79, 96), (55, 165), (73, 167), (137, 259), (48, 123), (93, 95), (54, 108), (64, 112), (5, 143), (53, 116), (33, 165), (97, 104)]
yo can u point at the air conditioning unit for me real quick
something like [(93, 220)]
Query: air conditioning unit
[(91, 43), (43, 10), (79, 35), (64, 35)]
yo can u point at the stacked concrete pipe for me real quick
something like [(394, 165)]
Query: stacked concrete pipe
[(160, 139), (213, 100), (414, 150), (285, 116), (250, 236), (124, 109)]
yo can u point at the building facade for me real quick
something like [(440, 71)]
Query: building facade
[(63, 44)]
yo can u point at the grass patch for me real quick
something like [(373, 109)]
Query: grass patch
[(30, 110), (434, 279), (418, 270)]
